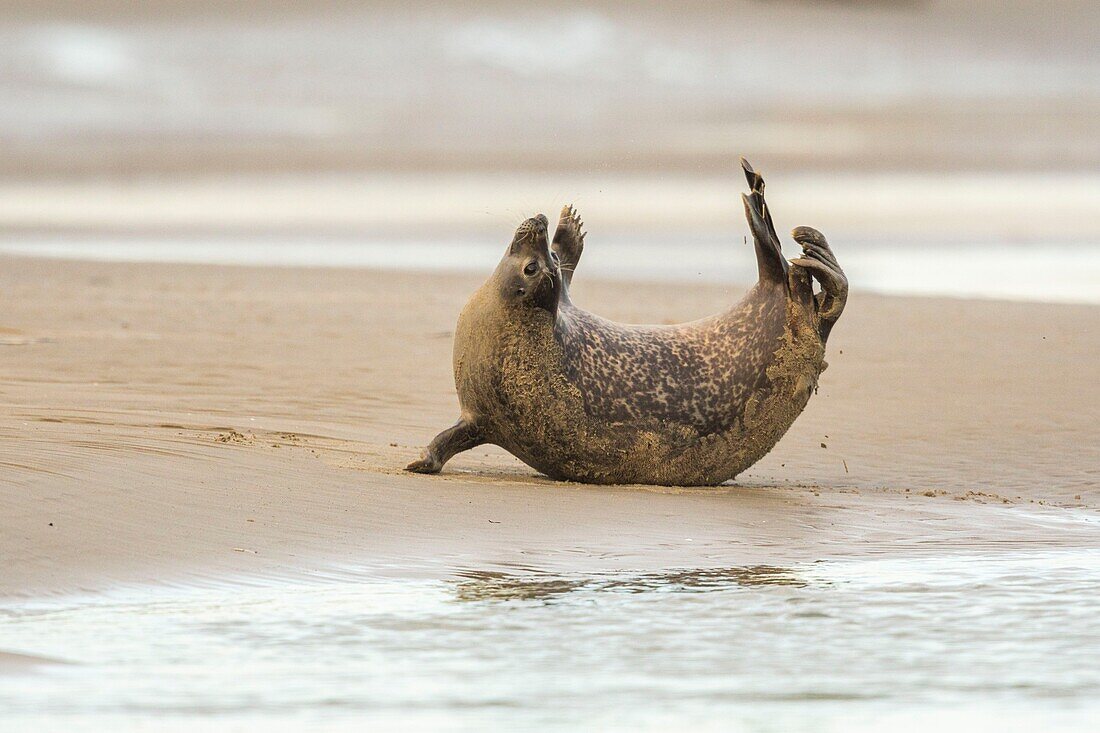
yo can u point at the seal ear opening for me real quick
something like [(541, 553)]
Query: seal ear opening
[(770, 262)]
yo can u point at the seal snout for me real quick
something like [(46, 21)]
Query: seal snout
[(533, 227), (532, 237)]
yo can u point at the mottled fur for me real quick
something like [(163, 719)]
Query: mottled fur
[(582, 398)]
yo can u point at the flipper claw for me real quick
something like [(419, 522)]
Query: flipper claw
[(426, 464), (569, 241)]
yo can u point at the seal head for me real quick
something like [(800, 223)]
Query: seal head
[(529, 274)]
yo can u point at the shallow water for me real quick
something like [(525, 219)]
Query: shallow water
[(972, 642), (1033, 272)]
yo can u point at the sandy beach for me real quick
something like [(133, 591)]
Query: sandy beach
[(198, 425)]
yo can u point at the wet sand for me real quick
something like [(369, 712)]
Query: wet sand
[(176, 424)]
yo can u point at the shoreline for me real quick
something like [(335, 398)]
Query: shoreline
[(205, 425), (989, 271), (977, 205)]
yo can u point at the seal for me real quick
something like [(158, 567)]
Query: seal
[(581, 398)]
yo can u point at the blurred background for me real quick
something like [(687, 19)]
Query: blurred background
[(945, 147)]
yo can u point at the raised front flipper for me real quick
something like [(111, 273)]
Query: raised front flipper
[(818, 258), (568, 241), (463, 435)]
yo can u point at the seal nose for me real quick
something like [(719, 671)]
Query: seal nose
[(532, 232), (535, 225)]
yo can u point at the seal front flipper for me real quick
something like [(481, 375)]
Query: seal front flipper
[(819, 260), (463, 435), (568, 241), (769, 252)]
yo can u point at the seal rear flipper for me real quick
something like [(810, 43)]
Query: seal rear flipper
[(819, 261), (569, 241), (769, 252)]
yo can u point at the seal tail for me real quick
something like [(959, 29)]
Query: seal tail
[(769, 253)]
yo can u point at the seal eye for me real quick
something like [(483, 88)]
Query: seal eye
[(532, 268), (554, 257)]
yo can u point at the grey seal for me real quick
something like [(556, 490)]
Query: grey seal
[(581, 398)]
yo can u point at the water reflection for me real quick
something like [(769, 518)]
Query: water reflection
[(998, 641), (489, 585)]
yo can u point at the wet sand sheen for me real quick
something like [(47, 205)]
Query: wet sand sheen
[(173, 424)]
